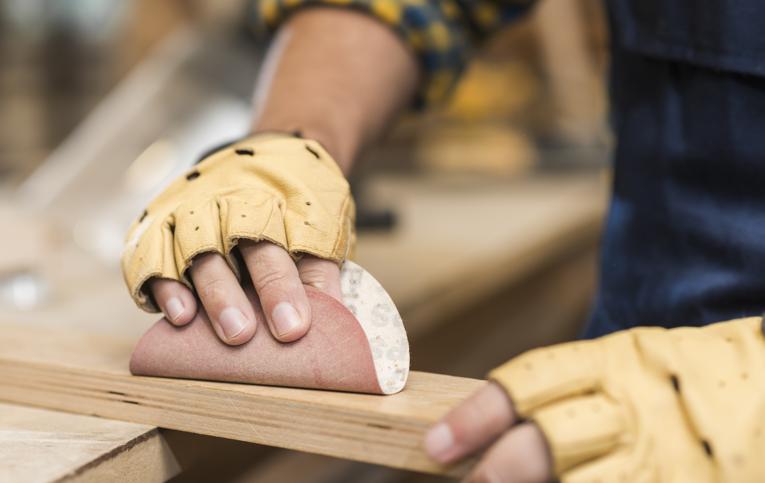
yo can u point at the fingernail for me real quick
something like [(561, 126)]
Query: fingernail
[(174, 309), (232, 322), (439, 441), (286, 319)]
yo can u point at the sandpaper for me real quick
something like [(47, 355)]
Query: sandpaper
[(359, 345)]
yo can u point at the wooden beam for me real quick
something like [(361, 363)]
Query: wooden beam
[(87, 374)]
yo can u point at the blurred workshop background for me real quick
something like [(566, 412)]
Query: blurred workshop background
[(482, 217)]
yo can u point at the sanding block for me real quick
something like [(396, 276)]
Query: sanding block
[(359, 345)]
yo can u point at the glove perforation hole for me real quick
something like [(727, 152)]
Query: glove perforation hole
[(298, 133), (196, 228), (243, 215), (307, 223), (193, 175), (245, 152), (707, 448), (308, 203), (312, 151), (675, 382), (143, 216)]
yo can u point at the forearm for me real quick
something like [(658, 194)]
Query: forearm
[(336, 76)]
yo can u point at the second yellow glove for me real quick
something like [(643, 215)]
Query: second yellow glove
[(649, 404)]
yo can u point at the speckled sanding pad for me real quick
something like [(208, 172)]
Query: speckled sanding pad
[(358, 346)]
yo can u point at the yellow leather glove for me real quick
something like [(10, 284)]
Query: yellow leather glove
[(272, 187), (649, 404)]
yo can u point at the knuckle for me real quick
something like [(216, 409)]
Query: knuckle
[(264, 279), (314, 275), (212, 289)]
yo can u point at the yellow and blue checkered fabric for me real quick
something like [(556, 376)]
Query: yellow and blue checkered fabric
[(441, 33)]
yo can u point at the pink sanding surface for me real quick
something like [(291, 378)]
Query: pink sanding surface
[(334, 355)]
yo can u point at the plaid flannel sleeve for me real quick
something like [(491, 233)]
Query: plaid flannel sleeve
[(439, 32)]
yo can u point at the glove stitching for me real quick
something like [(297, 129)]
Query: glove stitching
[(344, 219), (676, 383), (144, 299), (233, 238)]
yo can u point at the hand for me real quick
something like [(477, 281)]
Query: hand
[(518, 452), (647, 404), (277, 279), (267, 198)]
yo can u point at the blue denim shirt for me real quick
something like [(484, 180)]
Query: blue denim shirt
[(685, 236)]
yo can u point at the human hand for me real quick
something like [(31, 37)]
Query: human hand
[(647, 404), (253, 207)]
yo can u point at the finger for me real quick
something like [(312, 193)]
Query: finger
[(231, 314), (175, 300), (475, 423), (581, 429), (279, 289), (619, 466), (519, 456), (540, 376), (321, 274)]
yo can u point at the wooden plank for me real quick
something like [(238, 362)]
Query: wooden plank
[(88, 374), (38, 445)]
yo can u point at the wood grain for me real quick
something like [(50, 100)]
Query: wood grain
[(41, 445), (88, 374)]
